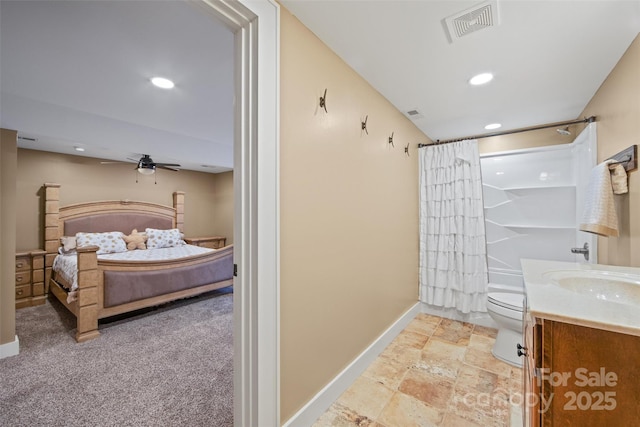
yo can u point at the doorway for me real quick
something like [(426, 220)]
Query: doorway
[(256, 222)]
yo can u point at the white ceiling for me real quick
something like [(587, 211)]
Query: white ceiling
[(76, 72), (548, 57)]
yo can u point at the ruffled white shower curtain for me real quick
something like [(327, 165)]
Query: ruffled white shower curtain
[(453, 261)]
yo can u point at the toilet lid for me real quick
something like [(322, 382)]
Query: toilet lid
[(507, 300)]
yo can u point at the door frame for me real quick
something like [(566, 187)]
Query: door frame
[(256, 25)]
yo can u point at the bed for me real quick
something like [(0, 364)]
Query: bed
[(108, 284)]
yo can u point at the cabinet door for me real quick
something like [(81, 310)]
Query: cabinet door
[(594, 376), (532, 389)]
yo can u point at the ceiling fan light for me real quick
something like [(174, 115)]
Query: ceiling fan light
[(149, 170)]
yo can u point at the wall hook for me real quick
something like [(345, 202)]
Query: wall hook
[(364, 124), (391, 139), (323, 101), (406, 150)]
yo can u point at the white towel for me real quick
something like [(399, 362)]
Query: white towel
[(599, 215), (619, 179)]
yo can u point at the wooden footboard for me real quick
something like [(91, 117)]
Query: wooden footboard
[(89, 305)]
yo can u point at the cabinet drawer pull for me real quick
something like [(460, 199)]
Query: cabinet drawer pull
[(19, 279), (19, 292), (19, 265), (522, 351)]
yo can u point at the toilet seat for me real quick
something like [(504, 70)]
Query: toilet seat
[(511, 301)]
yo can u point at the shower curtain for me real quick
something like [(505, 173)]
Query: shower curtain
[(453, 262)]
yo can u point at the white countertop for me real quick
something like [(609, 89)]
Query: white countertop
[(549, 301)]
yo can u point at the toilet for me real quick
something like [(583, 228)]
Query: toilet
[(506, 310)]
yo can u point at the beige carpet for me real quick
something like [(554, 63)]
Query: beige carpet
[(171, 366)]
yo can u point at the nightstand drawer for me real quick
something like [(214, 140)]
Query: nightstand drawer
[(23, 278), (23, 263), (30, 286), (23, 291)]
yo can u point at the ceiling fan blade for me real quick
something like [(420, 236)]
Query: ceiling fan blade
[(116, 161), (168, 164), (162, 166)]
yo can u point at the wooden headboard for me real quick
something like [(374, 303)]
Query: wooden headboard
[(103, 216)]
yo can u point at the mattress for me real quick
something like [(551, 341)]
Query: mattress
[(66, 265)]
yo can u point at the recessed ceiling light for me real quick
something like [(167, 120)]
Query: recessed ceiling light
[(481, 79), (493, 126), (78, 148), (163, 83)]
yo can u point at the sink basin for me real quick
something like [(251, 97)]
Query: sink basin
[(608, 286)]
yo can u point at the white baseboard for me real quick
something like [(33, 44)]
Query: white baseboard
[(10, 349), (515, 416), (330, 393), (481, 319)]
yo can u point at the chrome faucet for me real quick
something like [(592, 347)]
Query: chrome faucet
[(583, 250)]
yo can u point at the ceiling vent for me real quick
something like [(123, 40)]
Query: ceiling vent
[(479, 17), (414, 114), (27, 138)]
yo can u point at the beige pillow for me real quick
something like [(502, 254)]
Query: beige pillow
[(68, 244)]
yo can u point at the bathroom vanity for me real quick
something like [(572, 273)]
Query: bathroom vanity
[(581, 344)]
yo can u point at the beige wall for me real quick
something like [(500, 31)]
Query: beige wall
[(84, 179), (529, 139), (349, 216), (223, 203), (8, 164), (617, 106)]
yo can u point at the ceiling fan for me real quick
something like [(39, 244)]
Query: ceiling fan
[(146, 166)]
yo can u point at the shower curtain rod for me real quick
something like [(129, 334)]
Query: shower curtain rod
[(508, 132)]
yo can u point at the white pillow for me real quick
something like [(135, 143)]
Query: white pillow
[(108, 243), (163, 238)]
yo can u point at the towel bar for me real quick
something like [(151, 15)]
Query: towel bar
[(627, 157)]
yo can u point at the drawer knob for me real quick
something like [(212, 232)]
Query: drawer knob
[(19, 292), (19, 265), (19, 279)]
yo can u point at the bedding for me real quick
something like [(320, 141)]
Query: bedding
[(67, 265)]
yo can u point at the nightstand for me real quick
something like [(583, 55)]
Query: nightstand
[(215, 242), (30, 278)]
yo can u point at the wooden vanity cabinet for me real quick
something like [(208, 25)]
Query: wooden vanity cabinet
[(580, 376), (531, 357)]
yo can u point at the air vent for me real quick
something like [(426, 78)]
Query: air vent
[(414, 114), (27, 138), (479, 17)]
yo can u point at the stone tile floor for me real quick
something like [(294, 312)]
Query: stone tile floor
[(437, 372)]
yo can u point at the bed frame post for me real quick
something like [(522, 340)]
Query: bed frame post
[(178, 205), (87, 304), (52, 233)]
